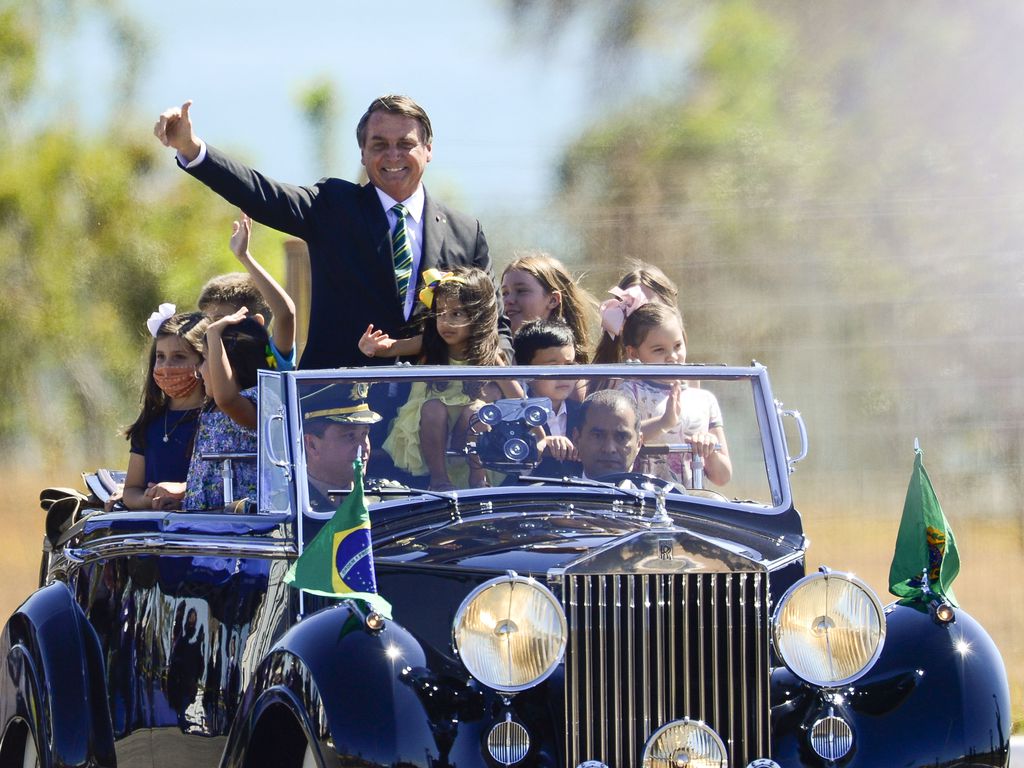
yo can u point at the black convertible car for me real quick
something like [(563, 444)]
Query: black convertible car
[(554, 616)]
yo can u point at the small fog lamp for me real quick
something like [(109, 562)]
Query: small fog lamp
[(687, 743), (942, 612)]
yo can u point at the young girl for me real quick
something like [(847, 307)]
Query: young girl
[(161, 438), (537, 286), (462, 329), (235, 351), (672, 412), (643, 284)]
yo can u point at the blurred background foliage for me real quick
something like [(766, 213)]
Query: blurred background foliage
[(94, 234), (837, 188)]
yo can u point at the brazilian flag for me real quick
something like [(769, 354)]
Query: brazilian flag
[(339, 560), (924, 544)]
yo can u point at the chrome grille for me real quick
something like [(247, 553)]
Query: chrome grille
[(647, 649)]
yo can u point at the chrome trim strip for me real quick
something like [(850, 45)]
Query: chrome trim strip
[(645, 651), (617, 655), (685, 660), (588, 669), (235, 548), (574, 697), (716, 642), (602, 681), (702, 660), (730, 684), (761, 644), (631, 689), (660, 678), (672, 675), (744, 678)]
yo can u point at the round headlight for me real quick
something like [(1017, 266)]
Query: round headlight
[(687, 743), (510, 633), (829, 628)]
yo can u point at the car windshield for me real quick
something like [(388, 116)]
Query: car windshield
[(700, 431)]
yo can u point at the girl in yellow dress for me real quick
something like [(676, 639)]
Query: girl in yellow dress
[(462, 329)]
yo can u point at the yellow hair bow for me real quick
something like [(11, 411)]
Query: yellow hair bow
[(433, 278)]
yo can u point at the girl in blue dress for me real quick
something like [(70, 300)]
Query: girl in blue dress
[(161, 437)]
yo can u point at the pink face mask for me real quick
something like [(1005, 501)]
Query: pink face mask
[(176, 382)]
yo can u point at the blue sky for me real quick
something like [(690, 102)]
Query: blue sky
[(502, 108)]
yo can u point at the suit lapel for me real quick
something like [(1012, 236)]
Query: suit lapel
[(435, 225), (382, 266)]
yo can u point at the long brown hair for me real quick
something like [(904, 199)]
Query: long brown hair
[(474, 290), (191, 328), (575, 306)]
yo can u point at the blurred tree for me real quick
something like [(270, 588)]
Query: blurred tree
[(836, 188), (92, 238), (320, 106)]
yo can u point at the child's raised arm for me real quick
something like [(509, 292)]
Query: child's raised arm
[(277, 298), (220, 378), (376, 343)]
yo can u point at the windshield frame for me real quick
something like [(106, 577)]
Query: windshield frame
[(765, 407)]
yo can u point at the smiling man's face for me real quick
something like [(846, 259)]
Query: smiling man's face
[(394, 154)]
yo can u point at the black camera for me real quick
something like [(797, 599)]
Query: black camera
[(510, 444)]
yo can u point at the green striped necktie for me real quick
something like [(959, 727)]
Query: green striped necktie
[(402, 252)]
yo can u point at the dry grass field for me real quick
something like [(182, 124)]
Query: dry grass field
[(989, 586)]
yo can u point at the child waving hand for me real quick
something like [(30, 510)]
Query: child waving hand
[(235, 351), (462, 329)]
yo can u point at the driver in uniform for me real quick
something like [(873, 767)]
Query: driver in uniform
[(607, 439), (336, 421)]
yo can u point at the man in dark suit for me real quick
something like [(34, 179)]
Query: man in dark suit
[(368, 245)]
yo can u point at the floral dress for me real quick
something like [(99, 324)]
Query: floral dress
[(403, 441), (219, 434), (700, 413)]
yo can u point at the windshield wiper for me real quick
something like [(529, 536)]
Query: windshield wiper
[(638, 494)]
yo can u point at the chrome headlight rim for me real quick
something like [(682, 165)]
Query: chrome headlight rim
[(513, 578), (826, 574)]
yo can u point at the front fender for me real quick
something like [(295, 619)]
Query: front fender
[(354, 693), (938, 695), (52, 680)]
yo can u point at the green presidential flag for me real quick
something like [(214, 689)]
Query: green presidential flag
[(339, 560), (925, 544)]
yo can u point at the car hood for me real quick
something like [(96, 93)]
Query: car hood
[(539, 538)]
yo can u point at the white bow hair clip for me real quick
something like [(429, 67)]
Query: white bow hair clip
[(163, 313)]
